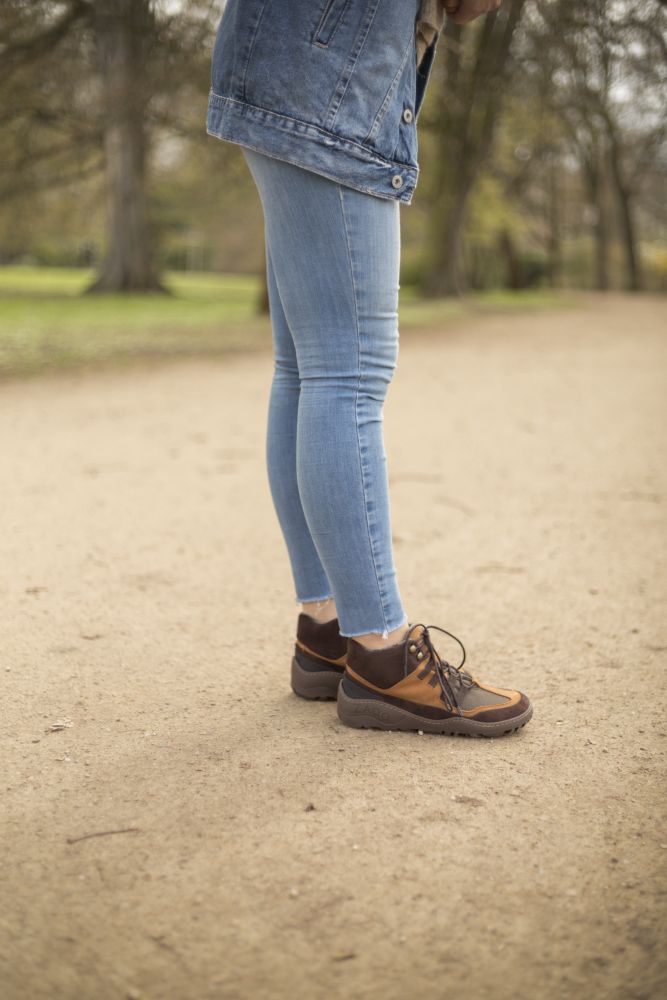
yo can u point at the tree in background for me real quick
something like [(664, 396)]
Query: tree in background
[(126, 36), (123, 69), (575, 87), (605, 70), (474, 84), (542, 140), (49, 131)]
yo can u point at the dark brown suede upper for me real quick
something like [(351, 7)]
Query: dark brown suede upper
[(383, 670), (322, 638)]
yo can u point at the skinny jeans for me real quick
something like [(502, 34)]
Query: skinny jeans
[(332, 264)]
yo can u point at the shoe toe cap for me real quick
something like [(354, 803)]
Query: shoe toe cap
[(511, 705)]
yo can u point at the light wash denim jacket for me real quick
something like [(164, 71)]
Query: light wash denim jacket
[(330, 85)]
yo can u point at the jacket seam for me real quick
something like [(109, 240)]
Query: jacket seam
[(370, 154), (251, 47), (386, 104), (307, 166), (351, 63)]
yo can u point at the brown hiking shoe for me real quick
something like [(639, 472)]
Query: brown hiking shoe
[(320, 655), (409, 686)]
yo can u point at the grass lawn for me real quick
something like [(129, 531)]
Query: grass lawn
[(46, 323)]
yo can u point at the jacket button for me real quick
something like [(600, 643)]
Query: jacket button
[(407, 115), (397, 181)]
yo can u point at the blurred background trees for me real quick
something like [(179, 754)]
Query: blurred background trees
[(542, 147)]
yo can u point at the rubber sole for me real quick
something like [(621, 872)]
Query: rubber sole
[(362, 713), (310, 681)]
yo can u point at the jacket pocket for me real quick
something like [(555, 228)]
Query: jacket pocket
[(393, 94), (329, 20)]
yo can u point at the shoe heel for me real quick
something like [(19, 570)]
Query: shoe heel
[(314, 684)]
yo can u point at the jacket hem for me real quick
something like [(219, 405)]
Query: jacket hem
[(349, 163)]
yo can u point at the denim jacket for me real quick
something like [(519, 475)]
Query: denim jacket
[(330, 85)]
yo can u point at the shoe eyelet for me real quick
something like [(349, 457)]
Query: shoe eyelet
[(412, 648), (420, 654)]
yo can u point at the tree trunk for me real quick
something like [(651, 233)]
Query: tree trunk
[(634, 281), (472, 102), (600, 228), (123, 31), (513, 271), (555, 248), (445, 277), (601, 248)]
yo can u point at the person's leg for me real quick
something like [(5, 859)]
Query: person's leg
[(313, 589), (335, 255)]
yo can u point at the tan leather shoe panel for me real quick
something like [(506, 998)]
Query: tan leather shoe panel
[(408, 689)]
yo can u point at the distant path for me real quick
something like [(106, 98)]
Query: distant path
[(147, 615)]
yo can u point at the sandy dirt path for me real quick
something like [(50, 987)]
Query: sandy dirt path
[(146, 603)]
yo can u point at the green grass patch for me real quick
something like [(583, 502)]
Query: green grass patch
[(47, 323)]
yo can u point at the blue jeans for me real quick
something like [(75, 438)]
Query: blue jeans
[(332, 257)]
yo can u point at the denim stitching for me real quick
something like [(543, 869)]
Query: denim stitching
[(384, 107), (350, 67), (370, 156), (306, 166), (251, 47), (356, 411)]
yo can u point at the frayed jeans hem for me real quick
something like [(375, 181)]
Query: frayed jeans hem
[(370, 631)]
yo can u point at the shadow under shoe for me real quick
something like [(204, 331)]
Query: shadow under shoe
[(409, 686), (320, 655)]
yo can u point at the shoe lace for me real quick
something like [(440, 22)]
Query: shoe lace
[(447, 674)]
